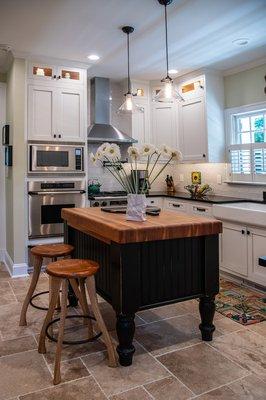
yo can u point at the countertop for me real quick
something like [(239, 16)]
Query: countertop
[(214, 199), (110, 227)]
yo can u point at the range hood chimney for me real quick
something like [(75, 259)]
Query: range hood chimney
[(101, 130)]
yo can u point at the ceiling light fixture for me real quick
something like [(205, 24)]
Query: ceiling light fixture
[(241, 41), (128, 106), (93, 57), (168, 94)]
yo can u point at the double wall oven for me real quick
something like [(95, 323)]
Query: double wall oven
[(46, 200)]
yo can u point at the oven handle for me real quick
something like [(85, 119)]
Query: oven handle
[(65, 192)]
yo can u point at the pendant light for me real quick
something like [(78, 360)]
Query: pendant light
[(128, 106), (168, 93)]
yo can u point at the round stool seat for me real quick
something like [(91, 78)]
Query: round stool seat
[(52, 250), (72, 268)]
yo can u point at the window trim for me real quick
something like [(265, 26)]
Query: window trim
[(229, 114)]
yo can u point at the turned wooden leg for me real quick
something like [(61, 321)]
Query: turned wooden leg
[(207, 310), (34, 280), (55, 288), (90, 283), (57, 375), (81, 295), (125, 329)]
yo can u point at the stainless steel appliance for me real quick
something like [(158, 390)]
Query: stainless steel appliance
[(46, 200), (55, 158), (104, 199)]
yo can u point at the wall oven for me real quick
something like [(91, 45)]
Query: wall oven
[(52, 158), (46, 200)]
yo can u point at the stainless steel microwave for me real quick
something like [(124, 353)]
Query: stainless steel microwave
[(53, 158)]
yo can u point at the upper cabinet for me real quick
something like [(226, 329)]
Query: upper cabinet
[(56, 103), (201, 122), (43, 73), (164, 124)]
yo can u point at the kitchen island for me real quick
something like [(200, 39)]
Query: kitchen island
[(168, 258)]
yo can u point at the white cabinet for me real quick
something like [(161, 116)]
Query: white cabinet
[(192, 129), (55, 113), (70, 114), (256, 249), (141, 122), (51, 74), (164, 124), (201, 121), (234, 249), (155, 201), (42, 112), (200, 209)]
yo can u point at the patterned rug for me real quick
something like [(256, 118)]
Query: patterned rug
[(241, 304)]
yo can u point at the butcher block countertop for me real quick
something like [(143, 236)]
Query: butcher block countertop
[(111, 227)]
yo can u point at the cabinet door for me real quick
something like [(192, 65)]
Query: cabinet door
[(233, 249), (140, 124), (70, 124), (193, 130), (256, 249), (71, 76), (41, 112), (164, 129)]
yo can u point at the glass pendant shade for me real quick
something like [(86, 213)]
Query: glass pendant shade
[(129, 107)]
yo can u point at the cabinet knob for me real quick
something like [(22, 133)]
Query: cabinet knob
[(248, 232), (59, 136), (59, 77), (54, 77), (243, 232), (204, 155), (54, 136)]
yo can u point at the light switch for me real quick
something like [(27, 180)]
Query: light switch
[(181, 178)]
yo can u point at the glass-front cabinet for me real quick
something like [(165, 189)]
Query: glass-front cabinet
[(47, 73)]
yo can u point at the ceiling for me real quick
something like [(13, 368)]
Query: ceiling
[(200, 33)]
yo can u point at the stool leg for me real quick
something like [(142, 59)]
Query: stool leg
[(90, 283), (58, 301), (81, 295), (57, 375), (33, 284), (55, 288)]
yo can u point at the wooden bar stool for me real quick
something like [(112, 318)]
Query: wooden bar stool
[(79, 273), (39, 252)]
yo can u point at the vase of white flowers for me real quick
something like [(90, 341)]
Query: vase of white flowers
[(109, 155)]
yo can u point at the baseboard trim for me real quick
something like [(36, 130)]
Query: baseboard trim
[(15, 270)]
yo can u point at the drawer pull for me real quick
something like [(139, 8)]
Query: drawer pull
[(201, 209), (176, 205)]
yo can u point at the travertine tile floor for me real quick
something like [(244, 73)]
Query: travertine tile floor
[(171, 361)]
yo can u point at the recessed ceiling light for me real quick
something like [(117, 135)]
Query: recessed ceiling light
[(93, 57), (241, 41), (172, 71)]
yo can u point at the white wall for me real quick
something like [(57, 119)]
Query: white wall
[(2, 173)]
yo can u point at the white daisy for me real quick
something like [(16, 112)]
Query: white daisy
[(99, 155), (176, 155), (113, 152), (93, 158), (166, 150), (147, 149), (133, 152), (104, 147)]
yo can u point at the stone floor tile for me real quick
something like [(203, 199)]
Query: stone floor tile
[(81, 389), (249, 388), (226, 325), (23, 373), (201, 368), (6, 293), (168, 389), (258, 328), (134, 394), (156, 314), (246, 348), (19, 345), (72, 369), (170, 334), (114, 380)]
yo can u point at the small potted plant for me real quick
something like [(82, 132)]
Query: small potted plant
[(109, 155)]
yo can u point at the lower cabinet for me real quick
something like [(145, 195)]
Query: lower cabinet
[(155, 201), (240, 250)]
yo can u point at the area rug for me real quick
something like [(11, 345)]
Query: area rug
[(241, 304)]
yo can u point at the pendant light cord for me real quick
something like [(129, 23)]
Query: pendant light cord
[(128, 72), (166, 40)]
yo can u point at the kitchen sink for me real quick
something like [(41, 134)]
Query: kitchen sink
[(243, 213)]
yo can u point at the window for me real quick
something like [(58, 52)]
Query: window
[(246, 128)]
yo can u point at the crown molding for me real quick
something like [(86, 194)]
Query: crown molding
[(245, 67)]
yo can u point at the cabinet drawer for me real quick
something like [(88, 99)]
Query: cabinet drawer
[(176, 206), (201, 210), (155, 201)]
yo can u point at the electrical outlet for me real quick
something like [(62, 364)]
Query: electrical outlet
[(181, 177), (219, 179)]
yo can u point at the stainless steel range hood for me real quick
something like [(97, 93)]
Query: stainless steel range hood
[(101, 130)]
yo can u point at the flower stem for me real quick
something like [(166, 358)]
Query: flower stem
[(161, 170)]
